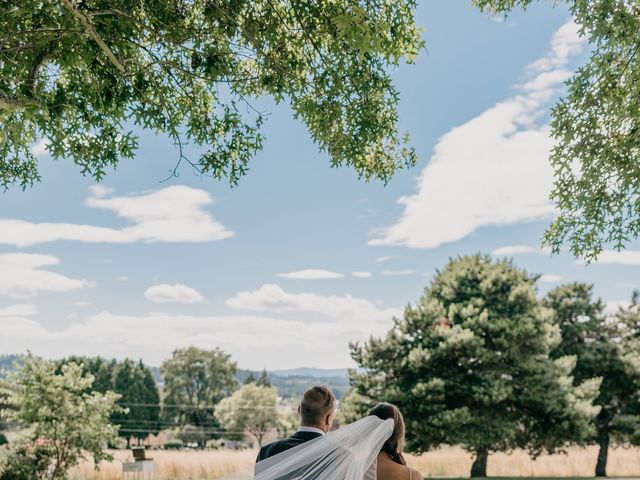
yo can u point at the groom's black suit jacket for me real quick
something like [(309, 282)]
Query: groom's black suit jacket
[(280, 446)]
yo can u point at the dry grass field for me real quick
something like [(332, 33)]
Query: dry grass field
[(446, 462)]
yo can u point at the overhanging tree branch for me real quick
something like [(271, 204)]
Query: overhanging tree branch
[(86, 23)]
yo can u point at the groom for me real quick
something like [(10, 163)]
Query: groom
[(316, 412)]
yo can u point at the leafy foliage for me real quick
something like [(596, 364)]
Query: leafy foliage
[(252, 409), (604, 347), (469, 364), (63, 421), (195, 381), (79, 73), (596, 158)]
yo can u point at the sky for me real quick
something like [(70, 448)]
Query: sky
[(300, 259)]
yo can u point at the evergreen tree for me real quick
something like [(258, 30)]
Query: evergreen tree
[(139, 395), (607, 348), (264, 380), (469, 364), (251, 378)]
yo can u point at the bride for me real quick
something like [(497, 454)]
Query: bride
[(369, 449)]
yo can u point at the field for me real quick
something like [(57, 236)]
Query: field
[(446, 462)]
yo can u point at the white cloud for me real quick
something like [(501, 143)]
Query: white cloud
[(362, 274), (122, 278), (383, 259), (623, 257), (100, 191), (81, 304), (344, 308), (22, 275), (311, 274), (39, 149), (492, 170), (397, 273), (510, 250), (171, 214), (550, 278), (19, 310), (178, 293), (612, 306), (254, 341)]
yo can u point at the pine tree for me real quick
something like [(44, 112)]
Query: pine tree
[(607, 348), (469, 365)]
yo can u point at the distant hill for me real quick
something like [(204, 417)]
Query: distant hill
[(293, 383), (311, 372), (7, 363), (290, 383)]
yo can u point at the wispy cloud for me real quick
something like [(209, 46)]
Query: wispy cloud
[(623, 257), (311, 274), (178, 293), (172, 214), (492, 170), (550, 278), (23, 275), (362, 274), (251, 339), (270, 297), (19, 310), (511, 250), (397, 273), (384, 259)]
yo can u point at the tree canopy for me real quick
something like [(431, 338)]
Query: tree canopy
[(596, 158), (81, 74), (252, 409), (470, 365), (195, 381)]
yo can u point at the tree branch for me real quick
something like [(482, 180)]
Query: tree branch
[(86, 23), (11, 102)]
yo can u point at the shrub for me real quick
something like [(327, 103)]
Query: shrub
[(173, 444)]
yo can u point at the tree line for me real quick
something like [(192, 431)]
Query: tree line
[(480, 361), (76, 406)]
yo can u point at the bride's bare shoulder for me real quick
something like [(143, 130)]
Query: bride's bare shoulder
[(389, 470)]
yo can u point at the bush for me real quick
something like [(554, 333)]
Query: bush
[(173, 444), (215, 444), (3, 439), (26, 460)]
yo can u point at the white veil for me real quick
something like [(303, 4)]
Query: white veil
[(348, 453)]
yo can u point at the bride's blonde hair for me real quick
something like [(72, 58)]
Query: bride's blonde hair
[(393, 446)]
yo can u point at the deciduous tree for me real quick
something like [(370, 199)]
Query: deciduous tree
[(80, 74), (596, 158), (195, 381), (252, 409), (64, 422)]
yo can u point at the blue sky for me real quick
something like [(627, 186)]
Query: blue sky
[(299, 259)]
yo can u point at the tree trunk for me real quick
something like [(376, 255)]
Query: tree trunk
[(603, 442), (479, 467)]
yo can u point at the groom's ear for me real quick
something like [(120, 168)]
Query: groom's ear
[(299, 409)]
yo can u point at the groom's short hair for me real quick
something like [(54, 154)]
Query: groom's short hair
[(317, 402)]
